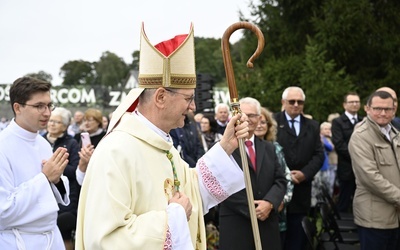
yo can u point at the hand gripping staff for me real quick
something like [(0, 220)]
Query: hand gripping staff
[(230, 77)]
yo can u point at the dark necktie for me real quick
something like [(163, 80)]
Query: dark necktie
[(354, 120), (252, 154), (292, 127)]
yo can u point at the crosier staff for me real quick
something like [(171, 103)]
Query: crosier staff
[(230, 77)]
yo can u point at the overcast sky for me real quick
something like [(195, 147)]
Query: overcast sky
[(45, 34)]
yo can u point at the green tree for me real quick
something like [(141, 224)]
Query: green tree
[(41, 75), (135, 60), (111, 70), (363, 37), (78, 72), (209, 57), (319, 79), (352, 45)]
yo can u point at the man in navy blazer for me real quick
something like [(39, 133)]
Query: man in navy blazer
[(304, 155), (342, 129), (269, 187)]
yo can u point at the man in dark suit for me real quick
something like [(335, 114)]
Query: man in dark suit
[(342, 129), (269, 186), (304, 156)]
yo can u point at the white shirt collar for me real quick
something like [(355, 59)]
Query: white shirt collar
[(297, 118), (153, 127), (386, 129), (350, 116)]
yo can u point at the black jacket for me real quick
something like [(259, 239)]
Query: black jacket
[(268, 183), (342, 129), (303, 152), (188, 138), (73, 148)]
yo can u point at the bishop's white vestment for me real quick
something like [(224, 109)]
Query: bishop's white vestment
[(125, 193)]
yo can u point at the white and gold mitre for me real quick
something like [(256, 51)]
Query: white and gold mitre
[(168, 64)]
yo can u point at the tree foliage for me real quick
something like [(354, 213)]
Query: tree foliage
[(209, 57), (41, 75), (135, 60), (78, 72), (111, 70), (327, 47)]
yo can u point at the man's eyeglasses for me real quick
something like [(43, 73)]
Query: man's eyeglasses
[(253, 116), (188, 98), (41, 107), (292, 102), (379, 110), (354, 102)]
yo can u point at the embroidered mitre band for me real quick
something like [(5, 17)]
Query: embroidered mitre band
[(169, 64)]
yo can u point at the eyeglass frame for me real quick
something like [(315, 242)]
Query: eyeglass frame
[(41, 108), (253, 116), (353, 102), (189, 99), (379, 110), (293, 102)]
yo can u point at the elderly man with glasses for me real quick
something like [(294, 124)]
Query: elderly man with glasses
[(304, 155)]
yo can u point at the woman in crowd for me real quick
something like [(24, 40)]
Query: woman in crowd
[(209, 131), (324, 173), (57, 136), (93, 124), (267, 129)]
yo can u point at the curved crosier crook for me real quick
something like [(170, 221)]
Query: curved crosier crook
[(230, 77)]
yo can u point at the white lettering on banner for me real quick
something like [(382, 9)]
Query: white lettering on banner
[(5, 93), (59, 95), (73, 95), (114, 98), (86, 96), (221, 96)]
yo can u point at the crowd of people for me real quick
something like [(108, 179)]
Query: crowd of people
[(159, 175)]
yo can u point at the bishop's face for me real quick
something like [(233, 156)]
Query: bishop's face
[(179, 103)]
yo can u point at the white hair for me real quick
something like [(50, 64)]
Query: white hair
[(64, 113), (293, 88), (251, 101), (221, 105)]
